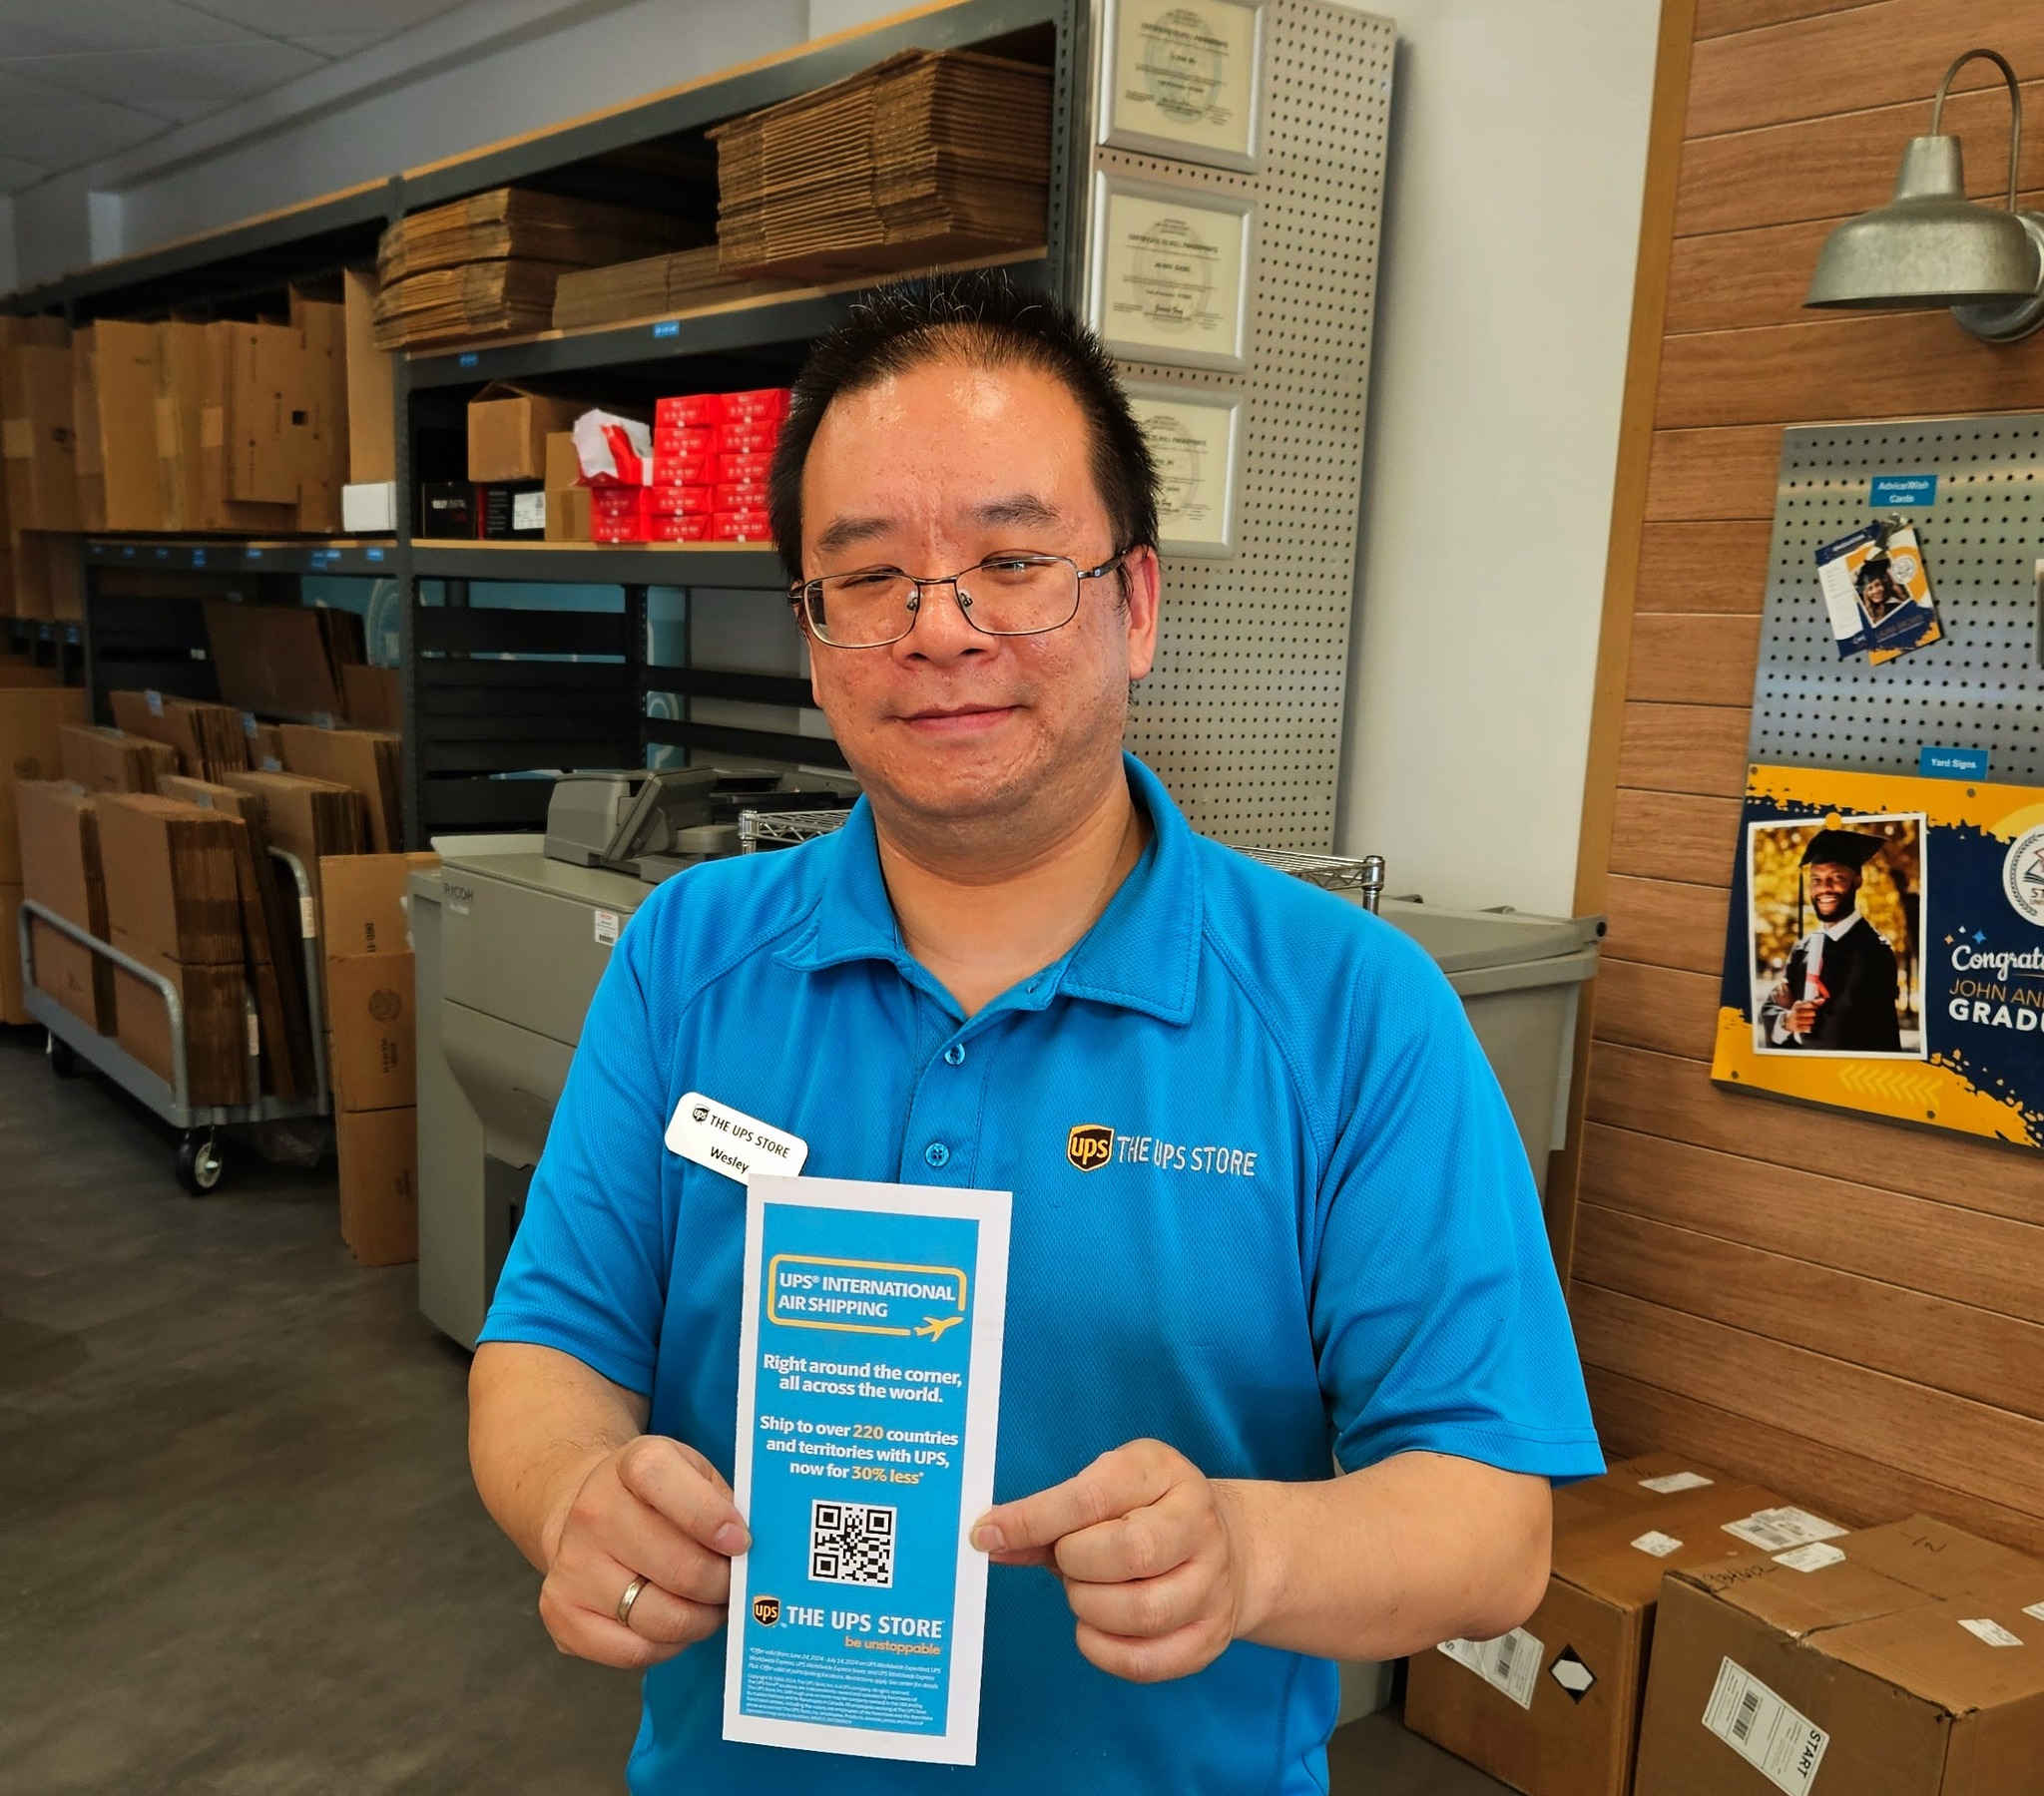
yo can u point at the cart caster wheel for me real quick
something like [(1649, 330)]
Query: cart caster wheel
[(63, 1058), (200, 1162)]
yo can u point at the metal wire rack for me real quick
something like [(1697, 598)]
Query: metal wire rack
[(1331, 872)]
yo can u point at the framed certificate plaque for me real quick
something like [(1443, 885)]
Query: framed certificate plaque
[(1182, 79), (1193, 437), (1171, 269)]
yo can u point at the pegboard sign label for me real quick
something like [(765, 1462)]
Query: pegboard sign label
[(1979, 484)]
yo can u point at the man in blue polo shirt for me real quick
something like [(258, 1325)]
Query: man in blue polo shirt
[(1271, 1217)]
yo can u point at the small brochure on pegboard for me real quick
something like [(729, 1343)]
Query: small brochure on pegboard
[(1877, 591), (1885, 949)]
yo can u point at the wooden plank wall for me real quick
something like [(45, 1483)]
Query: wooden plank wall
[(1849, 1311)]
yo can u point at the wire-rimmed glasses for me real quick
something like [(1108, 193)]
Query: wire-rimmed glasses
[(1018, 593)]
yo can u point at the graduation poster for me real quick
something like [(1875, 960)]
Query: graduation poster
[(1885, 950)]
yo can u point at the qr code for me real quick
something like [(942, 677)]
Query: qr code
[(852, 1542)]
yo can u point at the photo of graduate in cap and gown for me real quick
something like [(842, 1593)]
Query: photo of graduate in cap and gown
[(1846, 988)]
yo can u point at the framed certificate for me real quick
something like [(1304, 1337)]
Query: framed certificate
[(1193, 437), (1170, 272), (1182, 79)]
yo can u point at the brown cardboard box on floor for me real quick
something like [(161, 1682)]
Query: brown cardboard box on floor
[(170, 877), (379, 1196), (111, 760), (216, 1023), (33, 720), (60, 868), (1552, 1708), (364, 902), (1908, 1662), (371, 1014), (1641, 1482)]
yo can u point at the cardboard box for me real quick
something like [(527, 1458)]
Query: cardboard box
[(365, 910), (370, 509), (80, 980), (1908, 1662), (311, 818), (33, 720), (212, 411), (376, 696), (321, 446), (207, 738), (372, 427), (379, 1199), (12, 1009), (283, 659), (568, 519), (85, 430), (371, 1012), (508, 427), (45, 579), (60, 852), (1553, 1707), (38, 439), (112, 760), (171, 879), (215, 1022), (125, 363), (369, 761)]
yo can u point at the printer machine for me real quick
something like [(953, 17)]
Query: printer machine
[(510, 935)]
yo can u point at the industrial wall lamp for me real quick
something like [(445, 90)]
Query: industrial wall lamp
[(1931, 246)]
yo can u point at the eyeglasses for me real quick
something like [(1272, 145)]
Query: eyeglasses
[(1019, 594)]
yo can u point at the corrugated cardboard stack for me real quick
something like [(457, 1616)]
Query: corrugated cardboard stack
[(373, 1052), (61, 869), (487, 266), (101, 759), (283, 659), (654, 287), (926, 157), (1553, 1707), (1901, 1660), (367, 761), (33, 717), (40, 575), (208, 739), (174, 903)]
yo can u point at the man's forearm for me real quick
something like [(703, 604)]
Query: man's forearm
[(539, 1421), (1391, 1559)]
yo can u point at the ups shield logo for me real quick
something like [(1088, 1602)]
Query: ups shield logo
[(766, 1610), (1089, 1147)]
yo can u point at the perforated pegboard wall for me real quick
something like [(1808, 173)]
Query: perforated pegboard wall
[(1980, 687), (1241, 717)]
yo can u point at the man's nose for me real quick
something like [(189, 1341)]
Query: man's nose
[(940, 632)]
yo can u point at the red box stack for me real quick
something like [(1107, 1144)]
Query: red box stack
[(711, 456)]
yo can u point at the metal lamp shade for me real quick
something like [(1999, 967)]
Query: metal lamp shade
[(1929, 247)]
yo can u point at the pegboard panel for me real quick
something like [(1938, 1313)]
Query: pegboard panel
[(1980, 687), (1241, 717)]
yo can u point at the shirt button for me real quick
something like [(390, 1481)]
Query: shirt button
[(936, 1155), (954, 1056)]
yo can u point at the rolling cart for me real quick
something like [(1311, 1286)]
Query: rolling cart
[(201, 1158)]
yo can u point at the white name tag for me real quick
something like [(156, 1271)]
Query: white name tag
[(726, 1141)]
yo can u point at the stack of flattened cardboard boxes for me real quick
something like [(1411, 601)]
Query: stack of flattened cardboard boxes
[(1901, 1660), (283, 659), (40, 574), (33, 716), (209, 740), (373, 1051), (60, 869), (173, 904), (1553, 1707), (104, 759)]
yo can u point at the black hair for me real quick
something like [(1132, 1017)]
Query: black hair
[(978, 318)]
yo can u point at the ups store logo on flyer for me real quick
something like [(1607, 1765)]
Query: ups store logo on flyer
[(1089, 1147), (766, 1610)]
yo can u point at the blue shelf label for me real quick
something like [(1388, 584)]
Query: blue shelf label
[(375, 554), (468, 359), (1951, 763), (670, 327), (71, 635), (163, 554), (128, 550), (251, 554), (1902, 489), (198, 558)]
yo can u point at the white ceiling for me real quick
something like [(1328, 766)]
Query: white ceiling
[(84, 79)]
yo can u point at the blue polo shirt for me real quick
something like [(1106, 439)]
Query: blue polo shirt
[(1312, 1230)]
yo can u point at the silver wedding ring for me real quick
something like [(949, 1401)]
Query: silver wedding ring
[(625, 1601)]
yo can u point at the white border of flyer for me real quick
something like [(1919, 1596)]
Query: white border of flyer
[(870, 1386)]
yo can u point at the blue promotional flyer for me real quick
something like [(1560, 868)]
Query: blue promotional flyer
[(869, 1376)]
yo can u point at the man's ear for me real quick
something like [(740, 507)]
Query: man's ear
[(1143, 584)]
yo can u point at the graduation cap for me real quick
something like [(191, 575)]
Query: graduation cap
[(1875, 566), (1842, 847)]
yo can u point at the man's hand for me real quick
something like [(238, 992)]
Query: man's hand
[(651, 1508), (1148, 1552)]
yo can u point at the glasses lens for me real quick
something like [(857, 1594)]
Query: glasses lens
[(857, 611), (1017, 595)]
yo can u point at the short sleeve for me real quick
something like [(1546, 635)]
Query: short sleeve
[(1438, 1321), (587, 1271)]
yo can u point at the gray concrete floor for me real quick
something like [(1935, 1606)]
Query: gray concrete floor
[(240, 1552)]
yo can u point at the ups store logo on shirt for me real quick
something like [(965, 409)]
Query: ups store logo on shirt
[(1089, 1147), (766, 1610)]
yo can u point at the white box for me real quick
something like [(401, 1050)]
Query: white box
[(369, 509)]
